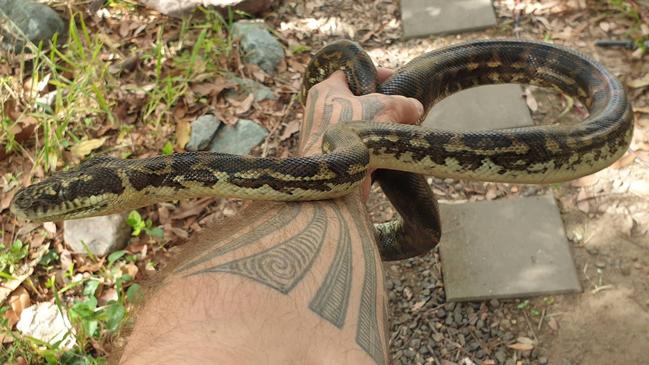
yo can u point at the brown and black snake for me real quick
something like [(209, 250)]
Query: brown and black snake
[(401, 153)]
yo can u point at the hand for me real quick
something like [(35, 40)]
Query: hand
[(331, 102)]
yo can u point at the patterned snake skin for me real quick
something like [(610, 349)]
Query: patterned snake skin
[(535, 154)]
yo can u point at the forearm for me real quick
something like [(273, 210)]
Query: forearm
[(282, 283)]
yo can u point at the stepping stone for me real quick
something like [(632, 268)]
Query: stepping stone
[(504, 249), (484, 107), (426, 17)]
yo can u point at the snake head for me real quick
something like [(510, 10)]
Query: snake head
[(84, 191)]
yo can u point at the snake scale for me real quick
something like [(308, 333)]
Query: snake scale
[(401, 153)]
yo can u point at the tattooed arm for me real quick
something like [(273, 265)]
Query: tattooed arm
[(282, 283)]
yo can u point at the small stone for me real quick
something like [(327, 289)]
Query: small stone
[(260, 91), (508, 336), (441, 313), (238, 139), (258, 45), (415, 342), (101, 235), (592, 250), (457, 317), (600, 264), (542, 360), (625, 269), (203, 130), (409, 353), (494, 303), (44, 321), (501, 356), (36, 21)]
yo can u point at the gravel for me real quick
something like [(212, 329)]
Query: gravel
[(427, 330)]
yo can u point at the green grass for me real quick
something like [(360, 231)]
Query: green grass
[(82, 95)]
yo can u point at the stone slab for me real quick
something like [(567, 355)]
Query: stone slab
[(509, 248), (479, 108), (426, 17)]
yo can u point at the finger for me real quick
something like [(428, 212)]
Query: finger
[(383, 73), (400, 109), (338, 80)]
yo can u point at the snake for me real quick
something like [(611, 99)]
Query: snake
[(402, 155)]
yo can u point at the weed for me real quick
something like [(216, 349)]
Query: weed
[(140, 225)]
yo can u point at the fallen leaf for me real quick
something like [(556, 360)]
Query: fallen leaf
[(588, 180), (625, 161), (50, 227), (6, 199), (182, 133), (18, 300), (291, 128), (552, 323), (644, 110), (640, 82), (22, 273), (83, 148), (531, 100), (521, 346)]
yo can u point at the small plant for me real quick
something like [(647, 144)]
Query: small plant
[(11, 256), (140, 225)]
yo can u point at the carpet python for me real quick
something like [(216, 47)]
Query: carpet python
[(401, 153)]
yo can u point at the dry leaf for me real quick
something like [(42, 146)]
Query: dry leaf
[(83, 148), (588, 180), (625, 161), (552, 323), (22, 273), (5, 201), (644, 110), (521, 346), (18, 300), (50, 227), (244, 105), (531, 100), (638, 83), (291, 128), (182, 133)]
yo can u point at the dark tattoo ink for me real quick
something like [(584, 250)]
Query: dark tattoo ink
[(282, 266), (372, 106), (332, 298), (279, 220), (308, 120), (368, 334), (327, 117)]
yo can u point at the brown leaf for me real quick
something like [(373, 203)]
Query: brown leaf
[(5, 201), (531, 100), (291, 128), (242, 106), (50, 227), (625, 161), (588, 180), (552, 323), (18, 300), (213, 88), (644, 110), (639, 82), (521, 346), (83, 148), (182, 133)]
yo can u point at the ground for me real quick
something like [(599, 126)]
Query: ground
[(136, 93)]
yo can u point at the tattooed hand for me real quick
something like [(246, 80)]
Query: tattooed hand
[(331, 102)]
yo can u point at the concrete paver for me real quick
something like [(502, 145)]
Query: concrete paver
[(505, 248), (484, 107), (426, 17)]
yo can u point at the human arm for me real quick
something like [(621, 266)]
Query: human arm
[(281, 283)]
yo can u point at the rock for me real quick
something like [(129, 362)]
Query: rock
[(102, 235), (543, 360), (203, 130), (592, 250), (238, 139), (259, 90), (258, 45), (600, 264), (36, 21), (178, 8), (45, 322), (501, 356)]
